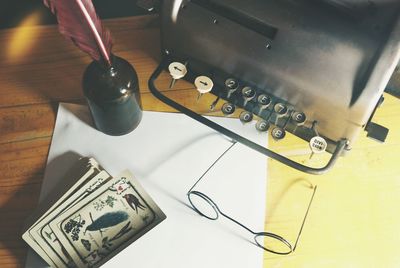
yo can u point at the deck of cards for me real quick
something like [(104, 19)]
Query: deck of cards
[(91, 218)]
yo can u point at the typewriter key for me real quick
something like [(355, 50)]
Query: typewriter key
[(248, 94), (228, 109), (280, 110), (299, 119), (245, 117), (317, 145), (262, 125), (231, 86), (278, 133), (203, 85), (177, 70), (263, 101)]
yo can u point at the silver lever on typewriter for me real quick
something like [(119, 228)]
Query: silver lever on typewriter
[(214, 103), (146, 4)]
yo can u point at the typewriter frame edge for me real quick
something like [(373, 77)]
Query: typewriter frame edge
[(340, 148)]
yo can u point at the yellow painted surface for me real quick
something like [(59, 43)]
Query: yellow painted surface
[(354, 220)]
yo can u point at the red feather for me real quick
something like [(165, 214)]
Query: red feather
[(78, 21)]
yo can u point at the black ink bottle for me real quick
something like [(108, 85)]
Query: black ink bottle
[(113, 96)]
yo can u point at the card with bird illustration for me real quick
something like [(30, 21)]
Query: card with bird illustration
[(101, 225), (44, 234)]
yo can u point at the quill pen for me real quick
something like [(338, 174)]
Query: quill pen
[(78, 21)]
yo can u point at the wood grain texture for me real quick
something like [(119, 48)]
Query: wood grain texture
[(49, 68), (45, 72), (353, 221)]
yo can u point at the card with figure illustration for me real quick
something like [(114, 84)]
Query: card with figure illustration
[(81, 173), (105, 222), (42, 232)]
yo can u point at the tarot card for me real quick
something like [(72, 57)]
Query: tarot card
[(107, 221), (83, 170), (32, 241), (77, 175), (42, 232)]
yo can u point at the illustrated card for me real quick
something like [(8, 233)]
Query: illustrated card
[(105, 222), (42, 232), (83, 170)]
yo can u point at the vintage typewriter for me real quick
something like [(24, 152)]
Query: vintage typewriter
[(314, 68)]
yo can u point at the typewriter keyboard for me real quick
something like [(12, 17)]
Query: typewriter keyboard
[(270, 112)]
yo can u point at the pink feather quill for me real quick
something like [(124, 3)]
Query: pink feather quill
[(78, 21)]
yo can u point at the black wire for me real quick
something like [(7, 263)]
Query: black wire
[(212, 165), (304, 219)]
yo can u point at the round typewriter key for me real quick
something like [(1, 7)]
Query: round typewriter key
[(177, 70), (299, 118), (264, 101), (280, 109), (278, 133), (228, 108), (318, 145), (246, 117), (262, 125), (248, 93), (203, 84), (231, 86)]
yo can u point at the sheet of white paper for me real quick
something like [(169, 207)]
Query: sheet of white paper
[(168, 153)]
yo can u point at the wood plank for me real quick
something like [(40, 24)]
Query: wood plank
[(40, 73), (26, 122), (22, 165)]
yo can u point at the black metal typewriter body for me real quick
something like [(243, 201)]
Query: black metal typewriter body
[(314, 67)]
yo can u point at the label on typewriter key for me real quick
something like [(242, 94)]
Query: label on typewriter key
[(231, 84), (264, 100), (299, 118), (228, 108), (262, 125), (280, 109), (177, 70), (278, 133), (203, 84), (248, 93), (318, 144), (246, 117)]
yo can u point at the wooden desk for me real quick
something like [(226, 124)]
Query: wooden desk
[(354, 219)]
